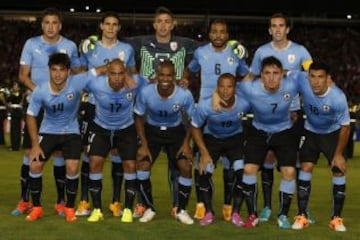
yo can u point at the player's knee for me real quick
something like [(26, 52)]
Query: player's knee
[(288, 173), (336, 171), (185, 169), (184, 165), (129, 166), (144, 164)]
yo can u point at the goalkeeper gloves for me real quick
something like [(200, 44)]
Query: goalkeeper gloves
[(88, 44), (238, 49)]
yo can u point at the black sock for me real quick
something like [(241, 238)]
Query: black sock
[(184, 194), (130, 191), (173, 176), (267, 178), (228, 178), (59, 174), (71, 190), (146, 192), (24, 182), (250, 195), (84, 181), (139, 197), (95, 189), (303, 193), (117, 174), (206, 190), (35, 190), (199, 197), (338, 199), (237, 191), (285, 202)]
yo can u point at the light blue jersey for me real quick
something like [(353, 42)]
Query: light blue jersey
[(292, 58), (102, 55), (60, 109), (162, 112), (222, 124), (212, 64), (114, 110), (36, 54), (271, 110), (326, 113)]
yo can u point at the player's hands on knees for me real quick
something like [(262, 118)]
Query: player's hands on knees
[(36, 153), (338, 163), (186, 150), (143, 153), (206, 164)]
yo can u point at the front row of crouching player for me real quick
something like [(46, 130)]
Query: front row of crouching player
[(166, 118)]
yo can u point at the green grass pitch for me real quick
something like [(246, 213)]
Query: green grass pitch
[(164, 226)]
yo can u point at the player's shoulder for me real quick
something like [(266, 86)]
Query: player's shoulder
[(294, 73), (337, 91), (205, 104), (264, 46), (68, 41), (148, 88), (298, 46), (184, 91), (125, 45), (204, 47), (34, 40), (41, 89)]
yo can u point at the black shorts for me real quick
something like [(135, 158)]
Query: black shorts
[(26, 139), (230, 147), (284, 144), (169, 139), (314, 144), (69, 144), (102, 140), (299, 125)]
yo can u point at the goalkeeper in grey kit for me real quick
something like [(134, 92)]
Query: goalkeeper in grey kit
[(150, 50)]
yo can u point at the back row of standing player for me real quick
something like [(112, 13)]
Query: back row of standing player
[(213, 59)]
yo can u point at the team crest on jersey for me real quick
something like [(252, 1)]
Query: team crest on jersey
[(286, 97), (173, 46), (231, 60), (326, 108), (129, 96), (175, 107), (291, 58), (122, 56), (70, 96), (62, 51)]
